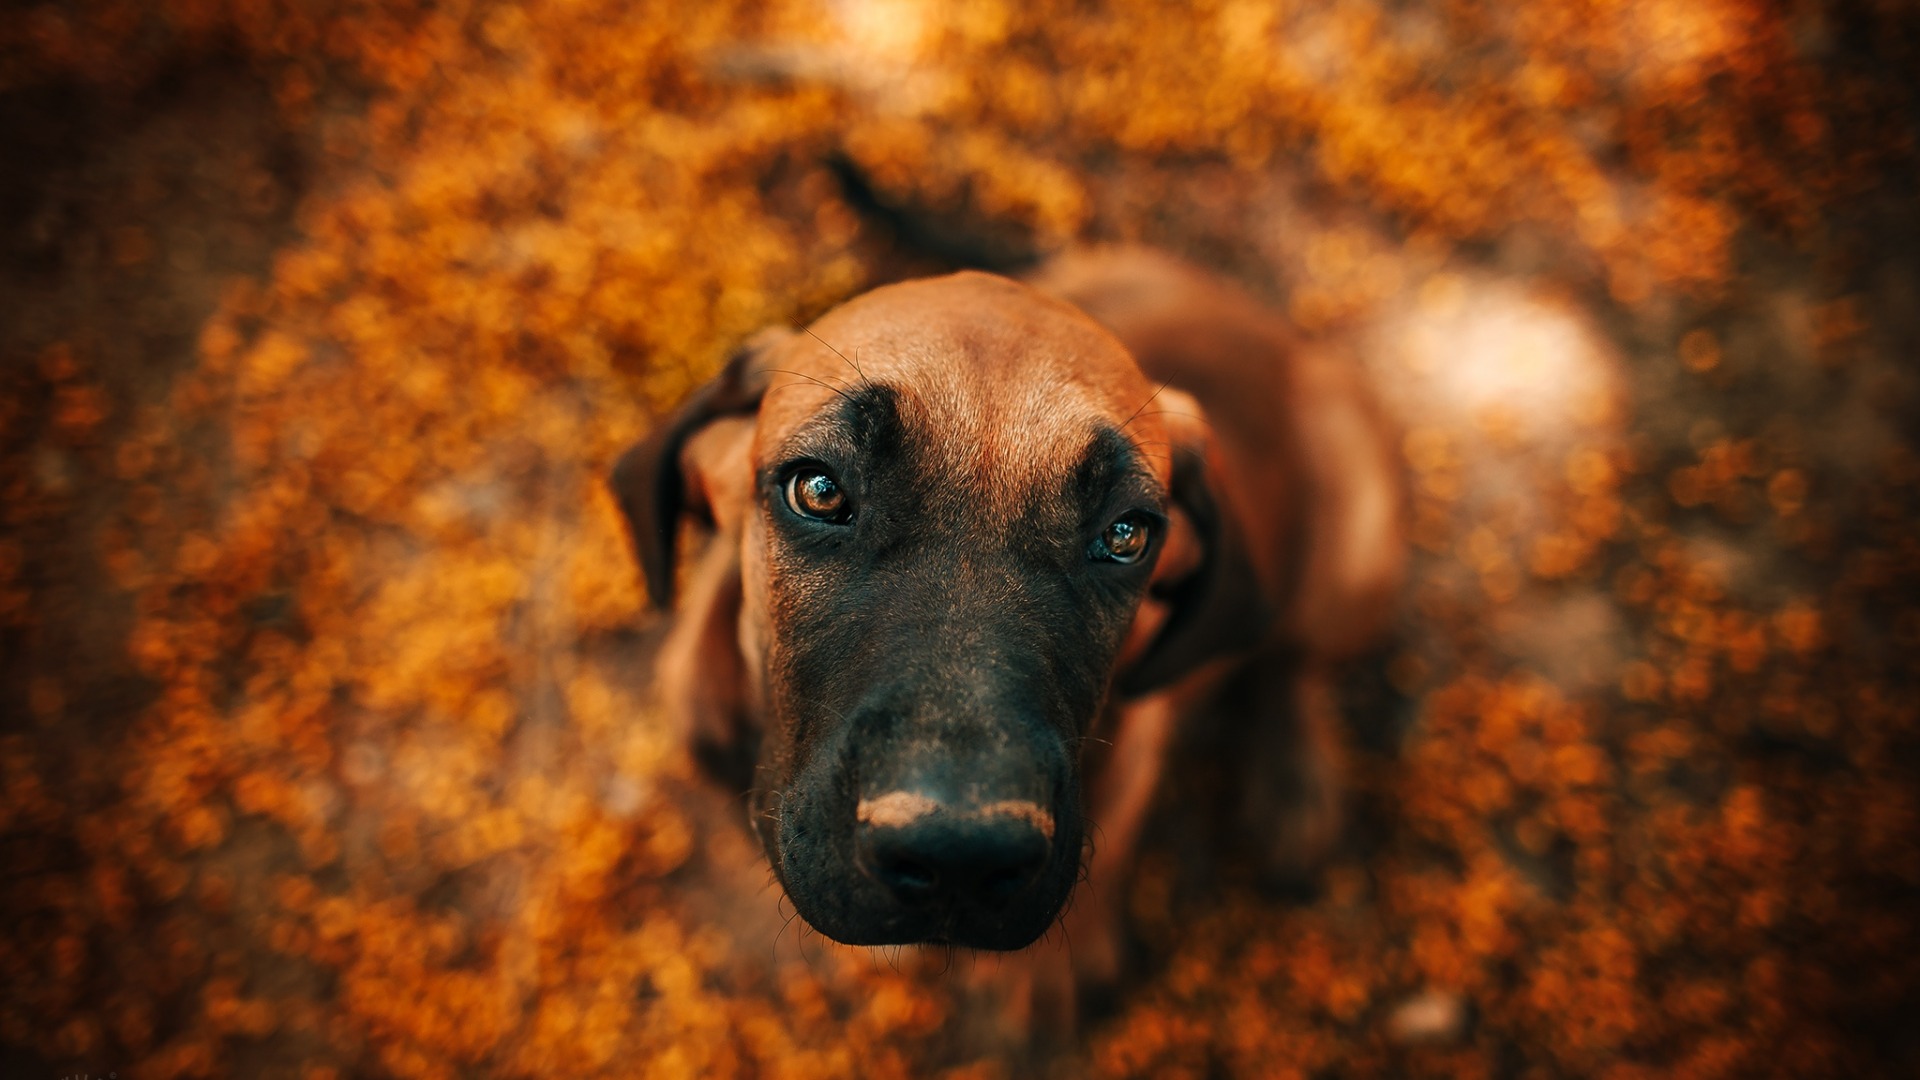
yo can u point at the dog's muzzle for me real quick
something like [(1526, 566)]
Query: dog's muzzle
[(970, 839)]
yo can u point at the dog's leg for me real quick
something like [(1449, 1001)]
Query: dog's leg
[(1057, 983), (1047, 991), (1123, 793), (1292, 808)]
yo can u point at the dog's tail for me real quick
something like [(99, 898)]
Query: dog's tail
[(914, 240)]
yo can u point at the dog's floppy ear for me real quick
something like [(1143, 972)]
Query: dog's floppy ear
[(1299, 521), (681, 468), (1206, 580), (698, 465)]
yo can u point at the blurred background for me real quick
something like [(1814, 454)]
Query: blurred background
[(323, 662)]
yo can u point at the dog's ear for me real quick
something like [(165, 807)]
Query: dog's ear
[(1213, 604), (699, 677), (698, 465), (1298, 522), (689, 463)]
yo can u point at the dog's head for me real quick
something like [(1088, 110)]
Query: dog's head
[(949, 499), (942, 521)]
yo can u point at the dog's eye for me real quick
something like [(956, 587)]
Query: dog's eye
[(1125, 541), (811, 493)]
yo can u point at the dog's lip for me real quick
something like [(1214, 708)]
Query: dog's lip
[(944, 928)]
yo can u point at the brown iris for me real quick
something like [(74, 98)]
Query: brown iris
[(1126, 540), (811, 493)]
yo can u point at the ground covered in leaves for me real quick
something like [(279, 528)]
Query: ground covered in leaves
[(326, 745)]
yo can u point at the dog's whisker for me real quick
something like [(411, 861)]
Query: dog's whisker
[(785, 922), (1161, 389), (812, 379), (856, 368), (812, 962), (1195, 417), (843, 356)]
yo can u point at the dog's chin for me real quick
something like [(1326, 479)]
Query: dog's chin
[(840, 903), (1009, 937)]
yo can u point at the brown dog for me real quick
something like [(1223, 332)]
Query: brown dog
[(964, 527)]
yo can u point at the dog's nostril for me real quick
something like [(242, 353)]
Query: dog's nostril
[(908, 879), (986, 859), (1001, 885)]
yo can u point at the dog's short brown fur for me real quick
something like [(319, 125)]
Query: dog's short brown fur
[(907, 682)]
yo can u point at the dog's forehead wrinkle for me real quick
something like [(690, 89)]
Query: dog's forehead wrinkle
[(1001, 471), (1000, 407), (865, 418)]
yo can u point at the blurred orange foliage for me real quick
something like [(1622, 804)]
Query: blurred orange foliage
[(397, 803)]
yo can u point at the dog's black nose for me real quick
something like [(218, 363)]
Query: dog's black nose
[(928, 852)]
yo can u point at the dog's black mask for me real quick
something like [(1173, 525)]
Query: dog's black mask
[(942, 638)]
